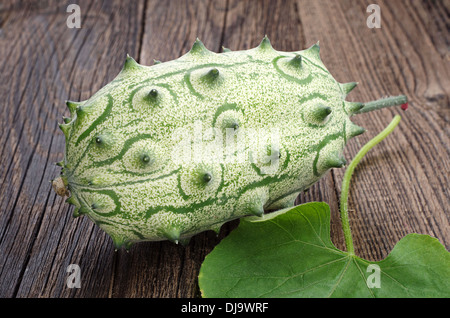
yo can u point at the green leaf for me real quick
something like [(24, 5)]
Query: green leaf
[(290, 254)]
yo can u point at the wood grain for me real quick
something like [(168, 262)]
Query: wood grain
[(48, 63), (400, 187)]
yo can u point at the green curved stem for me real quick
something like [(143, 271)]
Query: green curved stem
[(346, 181)]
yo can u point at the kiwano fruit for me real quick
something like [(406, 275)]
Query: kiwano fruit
[(168, 151)]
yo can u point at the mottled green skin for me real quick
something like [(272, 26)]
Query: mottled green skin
[(119, 165)]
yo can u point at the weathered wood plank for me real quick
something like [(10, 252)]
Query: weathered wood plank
[(249, 21), (48, 63), (400, 187), (408, 171)]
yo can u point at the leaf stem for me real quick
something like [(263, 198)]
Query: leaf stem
[(346, 181)]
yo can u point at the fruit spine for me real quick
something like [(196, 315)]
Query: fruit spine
[(148, 157)]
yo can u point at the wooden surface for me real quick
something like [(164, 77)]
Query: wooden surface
[(400, 187)]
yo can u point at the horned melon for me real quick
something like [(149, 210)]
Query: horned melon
[(171, 150)]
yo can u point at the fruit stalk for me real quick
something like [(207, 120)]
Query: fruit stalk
[(382, 103)]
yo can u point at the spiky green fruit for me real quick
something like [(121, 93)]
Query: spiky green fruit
[(171, 150)]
